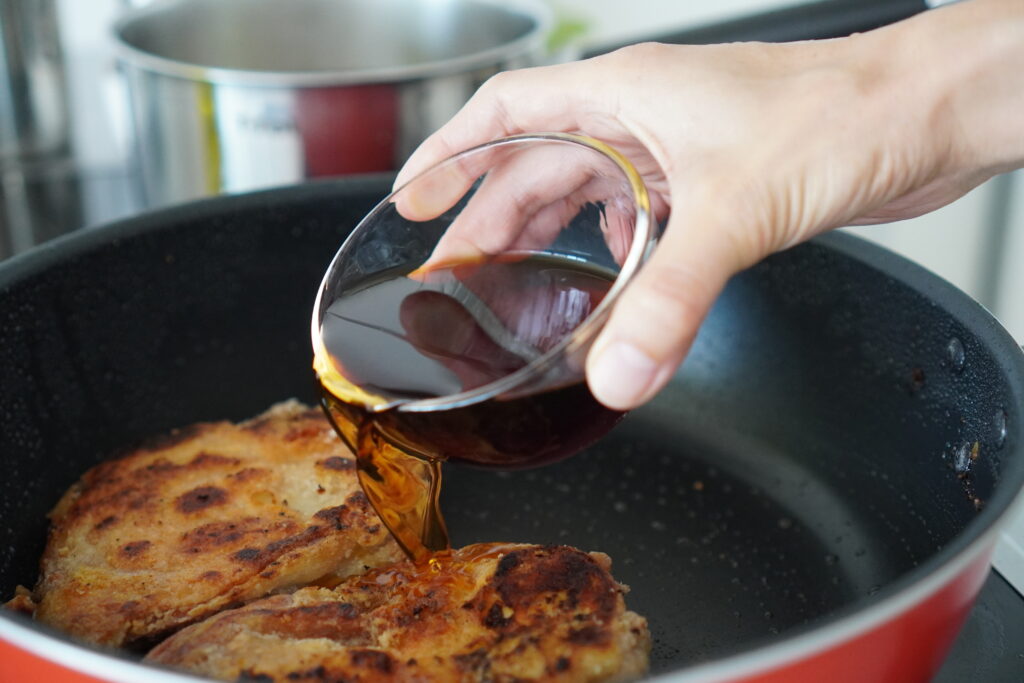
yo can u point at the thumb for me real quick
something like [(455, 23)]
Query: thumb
[(654, 323)]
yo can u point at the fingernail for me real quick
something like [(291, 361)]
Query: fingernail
[(621, 375)]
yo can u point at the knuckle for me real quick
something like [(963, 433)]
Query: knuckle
[(497, 82), (527, 199), (639, 53), (489, 96)]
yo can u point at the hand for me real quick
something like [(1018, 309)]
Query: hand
[(757, 147)]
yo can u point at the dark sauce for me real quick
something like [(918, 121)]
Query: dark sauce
[(405, 337)]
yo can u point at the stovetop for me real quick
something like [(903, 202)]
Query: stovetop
[(990, 648)]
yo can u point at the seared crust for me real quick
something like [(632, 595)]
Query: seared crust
[(212, 516), (487, 612)]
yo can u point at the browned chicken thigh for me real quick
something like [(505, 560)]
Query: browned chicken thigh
[(212, 516), (488, 612)]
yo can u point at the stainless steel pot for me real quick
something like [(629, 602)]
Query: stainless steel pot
[(233, 95)]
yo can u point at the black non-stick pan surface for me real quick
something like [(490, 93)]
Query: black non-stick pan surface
[(811, 458)]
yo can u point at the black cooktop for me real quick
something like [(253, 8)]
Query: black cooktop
[(990, 647)]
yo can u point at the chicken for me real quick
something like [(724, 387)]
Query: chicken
[(486, 612), (209, 517)]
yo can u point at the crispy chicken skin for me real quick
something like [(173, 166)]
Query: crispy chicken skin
[(488, 612), (209, 517)]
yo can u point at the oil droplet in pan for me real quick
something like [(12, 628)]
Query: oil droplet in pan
[(956, 355), (999, 425)]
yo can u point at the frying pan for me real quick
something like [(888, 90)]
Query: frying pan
[(800, 504)]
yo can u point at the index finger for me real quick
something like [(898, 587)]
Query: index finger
[(527, 100)]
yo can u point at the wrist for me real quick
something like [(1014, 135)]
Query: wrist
[(963, 67)]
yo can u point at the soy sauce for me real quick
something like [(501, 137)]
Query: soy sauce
[(402, 337)]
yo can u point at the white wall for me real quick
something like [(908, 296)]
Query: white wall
[(1010, 307)]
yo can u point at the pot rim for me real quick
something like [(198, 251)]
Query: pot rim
[(896, 597), (532, 40)]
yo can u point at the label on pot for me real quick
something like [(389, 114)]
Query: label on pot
[(258, 142)]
